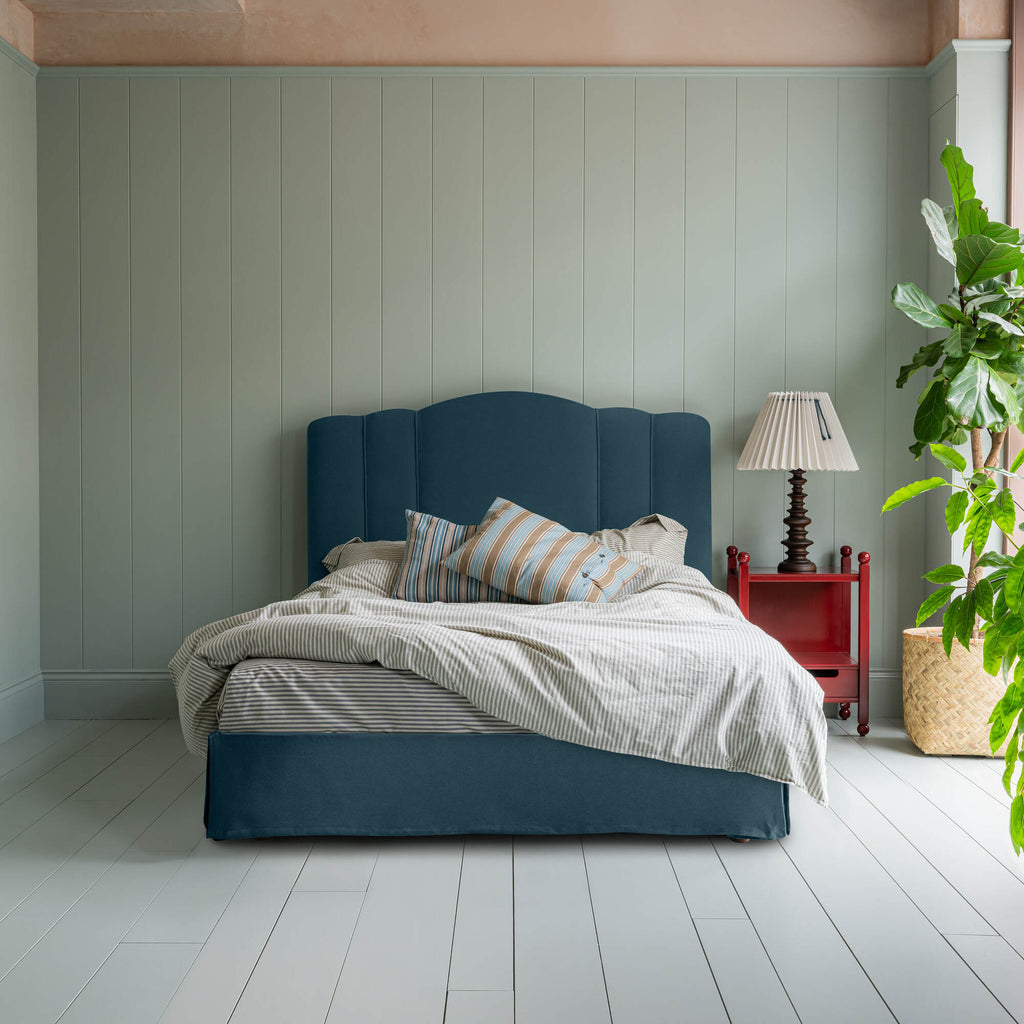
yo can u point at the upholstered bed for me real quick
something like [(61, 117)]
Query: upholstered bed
[(587, 468)]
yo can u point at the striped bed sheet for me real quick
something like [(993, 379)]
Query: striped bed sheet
[(290, 695)]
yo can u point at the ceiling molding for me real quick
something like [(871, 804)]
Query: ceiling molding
[(59, 7), (18, 57), (464, 71)]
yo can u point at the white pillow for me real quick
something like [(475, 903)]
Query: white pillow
[(655, 534), (357, 550)]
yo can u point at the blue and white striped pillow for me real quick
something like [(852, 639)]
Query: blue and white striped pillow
[(424, 575), (539, 560)]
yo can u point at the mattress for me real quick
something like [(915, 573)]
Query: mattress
[(284, 695)]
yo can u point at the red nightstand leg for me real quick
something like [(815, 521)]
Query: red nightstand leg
[(863, 642), (844, 711)]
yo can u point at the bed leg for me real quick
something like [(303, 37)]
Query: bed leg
[(739, 839)]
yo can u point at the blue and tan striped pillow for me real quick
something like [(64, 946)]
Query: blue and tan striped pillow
[(539, 560), (424, 575)]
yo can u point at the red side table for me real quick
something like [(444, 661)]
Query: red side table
[(810, 615)]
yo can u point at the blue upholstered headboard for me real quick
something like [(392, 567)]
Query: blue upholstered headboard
[(587, 468)]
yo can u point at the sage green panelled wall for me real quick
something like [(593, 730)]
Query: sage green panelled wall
[(225, 259), (21, 688)]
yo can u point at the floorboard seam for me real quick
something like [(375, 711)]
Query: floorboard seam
[(597, 934), (707, 959), (945, 814), (984, 984), (753, 925), (355, 928), (921, 853), (856, 958), (455, 925)]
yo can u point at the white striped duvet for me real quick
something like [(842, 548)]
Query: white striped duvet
[(289, 695), (669, 670)]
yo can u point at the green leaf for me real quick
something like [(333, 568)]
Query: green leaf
[(949, 457), (933, 602), (994, 560), (945, 574), (992, 318), (956, 509), (1004, 396), (988, 348), (1017, 823), (960, 340), (972, 217), (1013, 588), (978, 526), (909, 299), (1010, 656), (984, 596), (949, 620), (1002, 232), (959, 174), (967, 388), (997, 297), (965, 620), (1003, 716), (968, 395), (1017, 460), (1004, 513), (993, 647), (939, 228), (954, 315), (982, 484), (1010, 757), (979, 258), (928, 355), (912, 490), (949, 212), (931, 413)]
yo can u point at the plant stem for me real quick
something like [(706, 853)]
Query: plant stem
[(977, 463), (980, 462), (977, 455), (997, 438)]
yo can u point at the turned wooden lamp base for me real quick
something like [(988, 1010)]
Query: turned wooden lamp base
[(797, 542)]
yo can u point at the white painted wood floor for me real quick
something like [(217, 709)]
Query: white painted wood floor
[(903, 902)]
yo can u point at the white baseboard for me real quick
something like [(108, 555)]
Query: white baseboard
[(76, 693), (887, 693), (886, 696), (21, 705)]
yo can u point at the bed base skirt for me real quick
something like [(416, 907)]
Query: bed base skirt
[(413, 784)]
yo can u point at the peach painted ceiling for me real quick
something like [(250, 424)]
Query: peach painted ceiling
[(494, 32)]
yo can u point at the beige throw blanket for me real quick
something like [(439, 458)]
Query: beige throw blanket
[(668, 670)]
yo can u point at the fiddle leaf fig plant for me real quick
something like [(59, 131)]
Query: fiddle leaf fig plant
[(975, 393)]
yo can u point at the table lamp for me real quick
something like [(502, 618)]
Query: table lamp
[(797, 431)]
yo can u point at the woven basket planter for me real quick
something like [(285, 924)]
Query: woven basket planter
[(947, 701)]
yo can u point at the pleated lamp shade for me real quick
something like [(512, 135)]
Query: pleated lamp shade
[(797, 430)]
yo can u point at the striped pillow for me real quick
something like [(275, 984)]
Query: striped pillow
[(539, 560), (424, 575)]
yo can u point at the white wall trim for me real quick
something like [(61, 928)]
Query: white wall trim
[(952, 48), (886, 693), (21, 705), (77, 693), (981, 45), (19, 58), (20, 685), (463, 71), (928, 70)]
